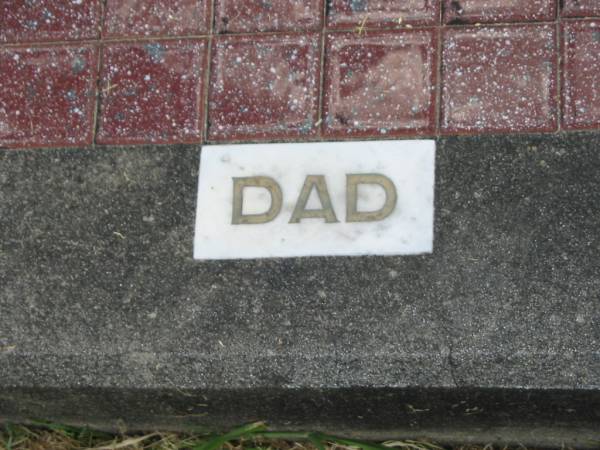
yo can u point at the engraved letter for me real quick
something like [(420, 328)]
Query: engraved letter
[(267, 183), (326, 212), (352, 182)]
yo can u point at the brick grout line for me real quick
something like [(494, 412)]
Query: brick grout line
[(207, 75), (97, 118), (321, 104), (325, 29), (97, 84), (132, 39), (559, 66), (102, 41), (212, 26), (438, 76), (579, 19)]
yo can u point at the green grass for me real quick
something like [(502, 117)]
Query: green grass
[(254, 436)]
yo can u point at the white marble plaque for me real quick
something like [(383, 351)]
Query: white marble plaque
[(315, 199)]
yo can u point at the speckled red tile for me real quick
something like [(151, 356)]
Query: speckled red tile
[(373, 13), (499, 79), (380, 83), (581, 74), (130, 18), (581, 8), (264, 87), (152, 92), (232, 16), (47, 96), (489, 11), (49, 20)]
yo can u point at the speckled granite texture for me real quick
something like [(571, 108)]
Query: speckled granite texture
[(104, 314), (122, 72)]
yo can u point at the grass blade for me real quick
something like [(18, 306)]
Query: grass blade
[(239, 433)]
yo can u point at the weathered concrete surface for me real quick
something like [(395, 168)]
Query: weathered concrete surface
[(104, 315)]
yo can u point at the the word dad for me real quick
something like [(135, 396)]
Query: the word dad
[(311, 182)]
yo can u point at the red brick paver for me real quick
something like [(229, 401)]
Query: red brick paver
[(49, 20), (382, 83), (499, 79), (350, 13), (581, 8), (152, 92), (494, 11), (274, 15), (581, 80), (47, 96), (132, 18), (264, 87), (256, 70)]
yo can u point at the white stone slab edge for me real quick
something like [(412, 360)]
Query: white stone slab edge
[(407, 230)]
